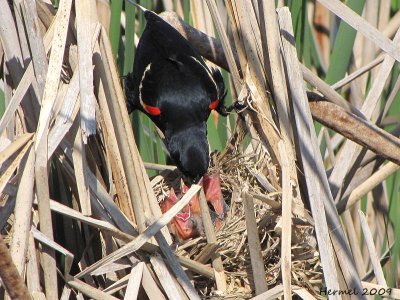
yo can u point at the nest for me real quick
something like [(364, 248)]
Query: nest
[(78, 215), (238, 171)]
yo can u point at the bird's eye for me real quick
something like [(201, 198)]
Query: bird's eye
[(213, 104)]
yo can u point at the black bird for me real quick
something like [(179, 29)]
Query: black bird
[(172, 84)]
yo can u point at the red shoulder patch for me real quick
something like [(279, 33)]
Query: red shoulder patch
[(214, 104), (152, 110)]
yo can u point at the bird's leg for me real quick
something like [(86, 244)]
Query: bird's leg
[(224, 111)]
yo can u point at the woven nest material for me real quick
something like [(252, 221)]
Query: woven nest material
[(240, 171)]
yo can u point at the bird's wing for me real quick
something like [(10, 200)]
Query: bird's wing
[(170, 43)]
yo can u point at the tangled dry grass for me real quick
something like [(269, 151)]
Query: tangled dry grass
[(246, 171), (80, 217)]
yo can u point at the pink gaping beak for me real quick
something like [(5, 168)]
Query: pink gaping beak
[(212, 190)]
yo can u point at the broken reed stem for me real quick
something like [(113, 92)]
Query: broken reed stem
[(23, 213), (206, 253), (256, 257), (197, 267), (164, 276), (358, 130), (46, 227), (124, 137), (135, 278), (370, 183), (88, 290), (369, 241), (17, 144), (286, 236), (41, 145), (220, 277), (180, 274), (310, 157), (354, 242)]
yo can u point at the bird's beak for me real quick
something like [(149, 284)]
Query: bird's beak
[(212, 190), (187, 226), (194, 203)]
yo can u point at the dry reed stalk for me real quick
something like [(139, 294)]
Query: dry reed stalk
[(87, 112), (32, 269), (309, 152), (219, 272), (206, 253), (113, 92), (362, 26), (269, 176), (44, 240), (257, 263), (23, 213), (8, 30), (167, 281), (10, 169), (327, 91), (88, 290), (23, 85), (273, 293), (150, 286), (360, 71), (41, 144), (380, 277), (135, 279), (123, 282), (362, 132), (197, 267), (100, 224), (13, 148), (384, 14), (17, 8), (36, 45), (350, 151), (317, 108), (368, 185), (369, 49), (81, 169), (354, 244), (225, 43), (111, 144), (392, 26), (173, 262), (286, 236)]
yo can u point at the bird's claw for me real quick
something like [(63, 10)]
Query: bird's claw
[(238, 106)]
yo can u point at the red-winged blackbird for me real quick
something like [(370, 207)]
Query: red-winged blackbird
[(172, 84)]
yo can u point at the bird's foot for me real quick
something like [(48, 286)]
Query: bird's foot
[(238, 106)]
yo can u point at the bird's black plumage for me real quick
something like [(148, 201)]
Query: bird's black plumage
[(172, 84)]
